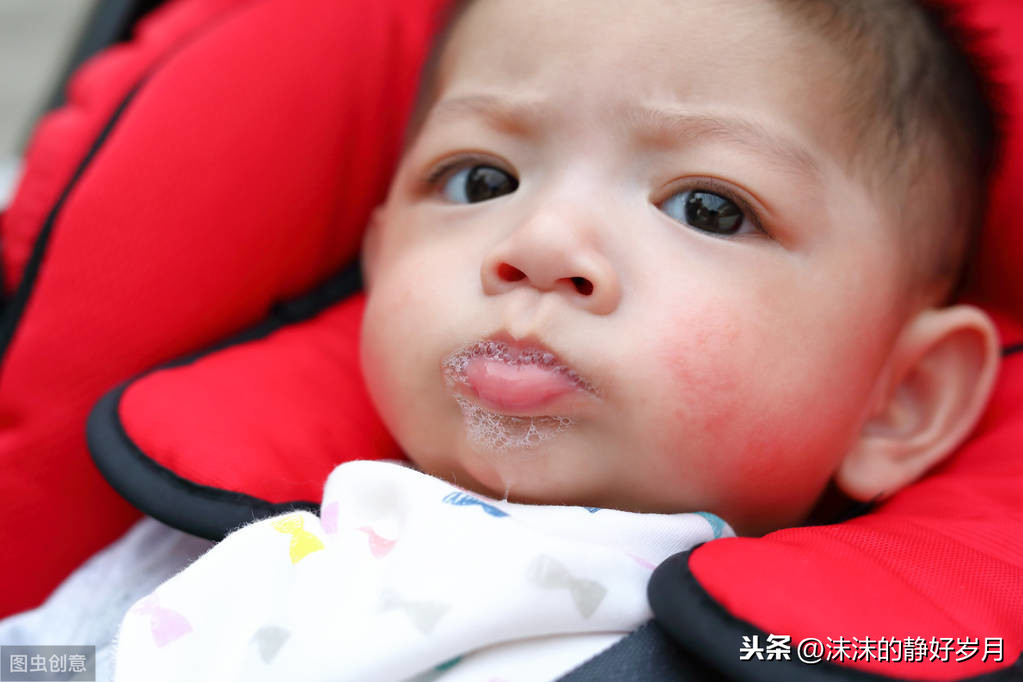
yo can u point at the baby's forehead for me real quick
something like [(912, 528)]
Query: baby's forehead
[(768, 49), (746, 56)]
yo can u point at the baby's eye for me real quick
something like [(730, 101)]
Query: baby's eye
[(478, 183), (705, 211)]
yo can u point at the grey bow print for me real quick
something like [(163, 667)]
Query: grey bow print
[(548, 572), (423, 614), (268, 640)]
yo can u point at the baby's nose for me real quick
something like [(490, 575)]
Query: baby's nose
[(553, 253)]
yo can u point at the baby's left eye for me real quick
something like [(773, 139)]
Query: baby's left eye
[(705, 211)]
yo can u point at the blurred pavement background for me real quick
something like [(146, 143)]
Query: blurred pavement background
[(36, 39)]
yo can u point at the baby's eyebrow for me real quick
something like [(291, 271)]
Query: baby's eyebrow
[(513, 115), (670, 126), (665, 126)]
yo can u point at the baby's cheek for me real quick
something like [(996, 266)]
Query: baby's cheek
[(395, 368), (701, 364), (729, 419)]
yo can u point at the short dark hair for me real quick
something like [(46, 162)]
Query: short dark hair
[(919, 66)]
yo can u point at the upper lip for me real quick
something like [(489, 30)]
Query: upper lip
[(502, 344)]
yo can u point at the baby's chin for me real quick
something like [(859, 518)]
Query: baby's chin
[(484, 476), (513, 474), (529, 476), (500, 437)]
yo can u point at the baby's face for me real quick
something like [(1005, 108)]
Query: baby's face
[(656, 194)]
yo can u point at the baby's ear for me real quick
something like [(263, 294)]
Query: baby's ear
[(931, 394), (370, 251)]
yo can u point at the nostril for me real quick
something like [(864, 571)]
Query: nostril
[(583, 285), (509, 273)]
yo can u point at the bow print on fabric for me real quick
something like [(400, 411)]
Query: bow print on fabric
[(423, 614), (717, 524), (328, 518), (165, 624), (379, 546), (465, 499), (641, 561), (549, 573), (268, 640), (438, 672), (303, 542)]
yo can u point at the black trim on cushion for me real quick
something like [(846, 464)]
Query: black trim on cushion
[(700, 625), (200, 510), (156, 490), (14, 308), (298, 309), (1009, 350)]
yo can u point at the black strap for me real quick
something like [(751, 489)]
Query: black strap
[(647, 655), (650, 655)]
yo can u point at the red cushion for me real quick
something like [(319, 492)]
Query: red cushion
[(998, 275), (225, 159), (249, 431), (305, 375)]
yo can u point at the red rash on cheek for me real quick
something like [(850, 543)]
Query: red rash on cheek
[(725, 421), (700, 360)]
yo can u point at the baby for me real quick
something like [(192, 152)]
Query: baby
[(642, 257), (686, 255)]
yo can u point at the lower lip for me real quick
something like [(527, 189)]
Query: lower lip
[(520, 388)]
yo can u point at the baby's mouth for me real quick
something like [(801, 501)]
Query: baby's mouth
[(514, 378), (514, 395)]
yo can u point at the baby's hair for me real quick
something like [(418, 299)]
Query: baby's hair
[(914, 63), (917, 64)]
